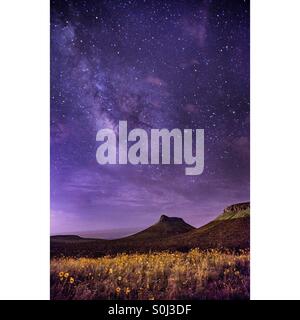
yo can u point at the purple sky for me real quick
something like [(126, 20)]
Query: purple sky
[(156, 64)]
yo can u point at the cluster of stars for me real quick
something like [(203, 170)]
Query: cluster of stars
[(156, 64)]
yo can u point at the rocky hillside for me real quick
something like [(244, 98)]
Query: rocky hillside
[(231, 230)]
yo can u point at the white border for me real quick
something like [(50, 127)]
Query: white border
[(275, 156), (24, 132)]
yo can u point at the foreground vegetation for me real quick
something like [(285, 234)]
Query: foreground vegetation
[(194, 275)]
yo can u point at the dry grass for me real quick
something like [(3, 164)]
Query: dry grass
[(194, 275)]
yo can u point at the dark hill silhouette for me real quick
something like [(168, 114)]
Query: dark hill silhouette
[(65, 237), (230, 230), (165, 227)]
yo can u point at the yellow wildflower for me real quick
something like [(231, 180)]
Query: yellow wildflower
[(72, 280), (118, 290), (127, 291), (66, 275)]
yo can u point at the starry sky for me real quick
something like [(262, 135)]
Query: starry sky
[(157, 64)]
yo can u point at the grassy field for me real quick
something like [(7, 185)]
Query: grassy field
[(194, 275)]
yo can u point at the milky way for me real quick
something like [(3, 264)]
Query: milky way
[(156, 64)]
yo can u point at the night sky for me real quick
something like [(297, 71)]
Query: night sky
[(157, 64)]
